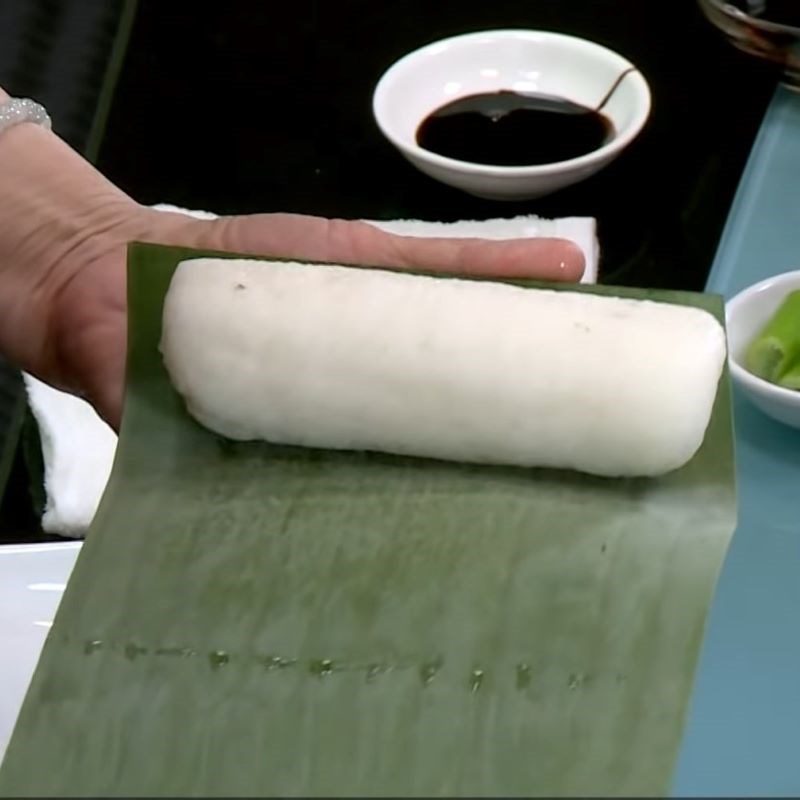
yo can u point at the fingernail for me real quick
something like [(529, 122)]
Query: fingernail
[(576, 263)]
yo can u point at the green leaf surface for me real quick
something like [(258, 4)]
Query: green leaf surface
[(251, 620)]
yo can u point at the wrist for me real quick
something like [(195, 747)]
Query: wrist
[(55, 212)]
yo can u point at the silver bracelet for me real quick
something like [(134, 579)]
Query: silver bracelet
[(21, 109)]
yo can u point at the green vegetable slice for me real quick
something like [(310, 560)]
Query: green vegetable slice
[(777, 345), (249, 620), (791, 378)]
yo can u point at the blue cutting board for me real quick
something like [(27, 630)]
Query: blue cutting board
[(743, 733)]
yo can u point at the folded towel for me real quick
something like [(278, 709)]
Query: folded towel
[(78, 447), (77, 450)]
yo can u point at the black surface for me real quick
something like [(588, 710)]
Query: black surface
[(262, 106), (58, 52), (253, 106)]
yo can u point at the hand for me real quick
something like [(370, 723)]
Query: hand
[(63, 235)]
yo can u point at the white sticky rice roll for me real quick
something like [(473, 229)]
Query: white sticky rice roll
[(466, 370)]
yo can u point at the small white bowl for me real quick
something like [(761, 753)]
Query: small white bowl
[(513, 60), (746, 314)]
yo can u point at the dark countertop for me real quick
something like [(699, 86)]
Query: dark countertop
[(267, 107), (253, 106)]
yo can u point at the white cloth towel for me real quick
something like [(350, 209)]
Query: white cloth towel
[(77, 450), (78, 447)]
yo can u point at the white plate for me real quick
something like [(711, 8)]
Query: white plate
[(32, 581)]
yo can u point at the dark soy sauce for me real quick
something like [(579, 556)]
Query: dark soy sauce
[(783, 12), (513, 130)]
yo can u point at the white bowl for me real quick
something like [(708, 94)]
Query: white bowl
[(514, 60), (746, 314)]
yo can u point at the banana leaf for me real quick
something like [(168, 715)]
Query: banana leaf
[(253, 620)]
